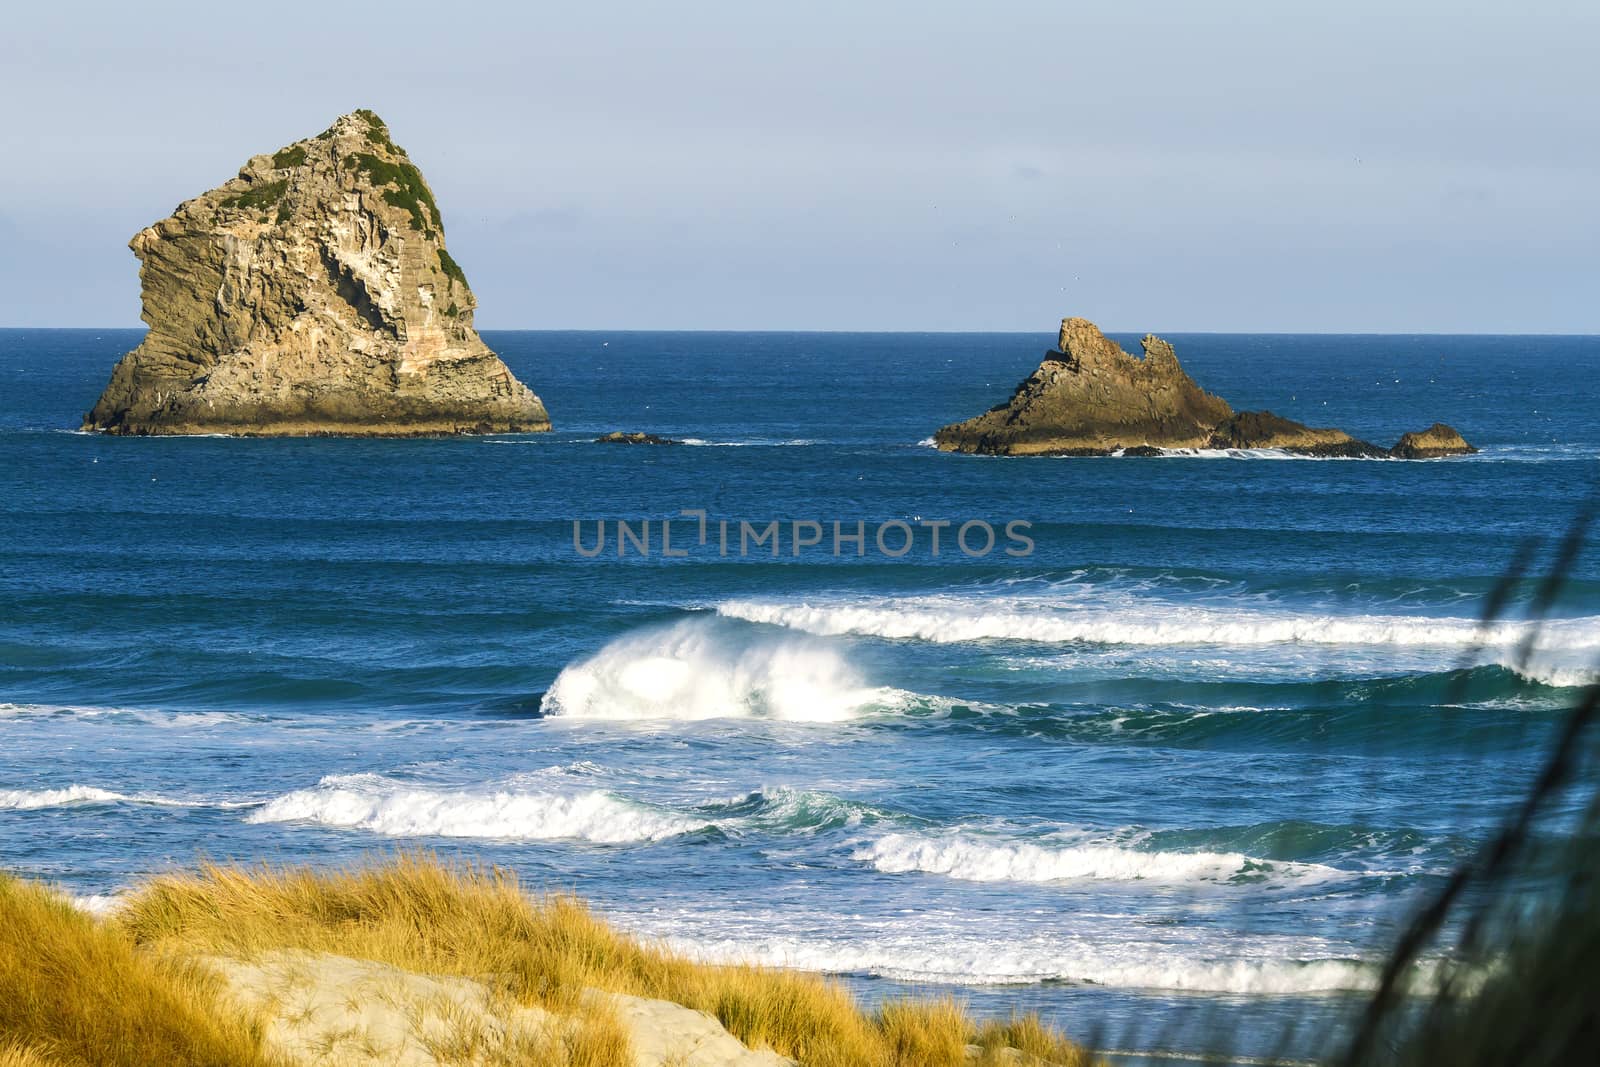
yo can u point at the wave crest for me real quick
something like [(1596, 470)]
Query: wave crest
[(785, 810), (973, 859), (381, 805), (1128, 621), (30, 799)]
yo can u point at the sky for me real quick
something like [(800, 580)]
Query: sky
[(1228, 166)]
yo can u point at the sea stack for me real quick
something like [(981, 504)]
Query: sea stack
[(1090, 398), (311, 295)]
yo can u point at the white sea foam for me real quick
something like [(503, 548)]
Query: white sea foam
[(974, 859), (1127, 620), (795, 442), (382, 805), (1536, 453), (699, 669), (1252, 453), (921, 955), (116, 715)]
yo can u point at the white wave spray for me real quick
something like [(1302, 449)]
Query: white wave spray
[(698, 669)]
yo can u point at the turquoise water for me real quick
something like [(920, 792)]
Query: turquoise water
[(1191, 759)]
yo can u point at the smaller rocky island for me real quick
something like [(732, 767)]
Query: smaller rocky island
[(1436, 442), (1090, 398), (618, 437), (311, 295)]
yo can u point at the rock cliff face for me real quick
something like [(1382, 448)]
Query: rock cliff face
[(1090, 398), (311, 295)]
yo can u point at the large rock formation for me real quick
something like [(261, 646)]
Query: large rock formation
[(312, 294), (1090, 398)]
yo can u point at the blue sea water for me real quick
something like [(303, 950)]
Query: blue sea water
[(1191, 759)]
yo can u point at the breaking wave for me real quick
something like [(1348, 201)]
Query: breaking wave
[(1554, 674), (785, 810), (382, 805), (973, 859), (951, 619), (697, 669), (84, 795), (27, 799)]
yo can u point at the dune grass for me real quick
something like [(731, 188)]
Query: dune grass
[(73, 990), (21, 1056), (420, 915)]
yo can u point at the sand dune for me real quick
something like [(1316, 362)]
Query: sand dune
[(333, 1010)]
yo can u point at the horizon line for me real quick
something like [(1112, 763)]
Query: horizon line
[(952, 333)]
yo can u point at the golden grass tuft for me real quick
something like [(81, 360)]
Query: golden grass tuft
[(1029, 1035), (931, 1032), (73, 991), (420, 915), (13, 1055)]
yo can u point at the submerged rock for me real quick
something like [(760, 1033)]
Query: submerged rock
[(1090, 398), (311, 295), (617, 437), (1435, 442)]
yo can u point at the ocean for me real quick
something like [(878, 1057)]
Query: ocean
[(1178, 769)]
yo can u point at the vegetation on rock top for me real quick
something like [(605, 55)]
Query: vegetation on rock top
[(260, 195), (407, 189), (377, 132)]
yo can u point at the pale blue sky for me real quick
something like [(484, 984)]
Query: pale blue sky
[(1414, 167)]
